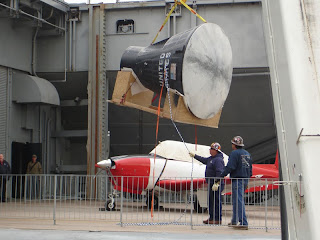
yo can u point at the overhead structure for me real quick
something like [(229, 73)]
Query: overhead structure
[(32, 89)]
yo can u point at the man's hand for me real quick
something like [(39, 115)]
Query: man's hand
[(215, 186), (191, 154)]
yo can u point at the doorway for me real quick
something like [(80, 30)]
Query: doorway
[(21, 155)]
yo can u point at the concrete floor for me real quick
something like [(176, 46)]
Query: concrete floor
[(133, 212), (35, 229), (83, 220), (13, 234)]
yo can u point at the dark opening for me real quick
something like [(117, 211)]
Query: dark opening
[(125, 26), (21, 155)]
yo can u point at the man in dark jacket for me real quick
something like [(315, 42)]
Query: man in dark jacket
[(4, 170), (240, 168), (215, 165)]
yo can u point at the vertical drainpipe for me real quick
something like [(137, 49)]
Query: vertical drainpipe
[(58, 141), (174, 25), (33, 63), (8, 145), (65, 47), (43, 140), (74, 46), (65, 51), (89, 88), (96, 149), (48, 143), (70, 45)]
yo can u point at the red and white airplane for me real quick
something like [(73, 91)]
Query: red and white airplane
[(169, 167)]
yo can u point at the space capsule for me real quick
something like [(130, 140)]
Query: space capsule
[(197, 64)]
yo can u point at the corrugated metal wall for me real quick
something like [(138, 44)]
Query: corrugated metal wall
[(3, 109)]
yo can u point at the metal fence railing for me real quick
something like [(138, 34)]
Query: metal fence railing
[(127, 200)]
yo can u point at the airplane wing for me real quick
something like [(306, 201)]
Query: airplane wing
[(180, 184), (255, 185), (260, 188)]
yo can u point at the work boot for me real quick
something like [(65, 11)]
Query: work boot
[(241, 227), (208, 221), (230, 224)]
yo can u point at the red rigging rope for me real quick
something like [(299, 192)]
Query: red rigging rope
[(165, 83), (155, 97), (176, 2), (155, 149), (123, 98)]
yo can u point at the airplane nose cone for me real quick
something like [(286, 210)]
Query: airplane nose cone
[(104, 164)]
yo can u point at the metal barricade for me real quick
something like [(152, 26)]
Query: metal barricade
[(128, 201)]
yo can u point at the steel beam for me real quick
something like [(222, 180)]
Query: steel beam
[(98, 140), (61, 5), (70, 133)]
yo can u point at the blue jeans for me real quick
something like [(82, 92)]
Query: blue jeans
[(33, 187), (215, 201), (3, 187), (238, 206)]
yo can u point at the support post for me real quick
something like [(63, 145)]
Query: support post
[(55, 200)]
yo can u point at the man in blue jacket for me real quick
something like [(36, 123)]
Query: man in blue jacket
[(240, 168), (215, 165)]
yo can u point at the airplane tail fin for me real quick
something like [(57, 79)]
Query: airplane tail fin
[(276, 163)]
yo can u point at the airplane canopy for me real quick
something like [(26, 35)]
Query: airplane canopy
[(171, 149)]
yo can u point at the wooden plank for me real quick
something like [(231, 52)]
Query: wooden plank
[(142, 101)]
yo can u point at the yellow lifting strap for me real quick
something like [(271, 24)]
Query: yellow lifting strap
[(177, 2), (193, 11)]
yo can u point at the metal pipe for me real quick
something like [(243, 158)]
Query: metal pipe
[(174, 25), (70, 45), (121, 200), (29, 15), (50, 15), (57, 141), (40, 19), (8, 109), (65, 50), (96, 147), (33, 63), (48, 144), (4, 5), (55, 200), (46, 22), (39, 131), (90, 95), (65, 54), (44, 139), (266, 204), (169, 27), (74, 47)]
